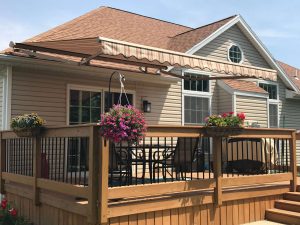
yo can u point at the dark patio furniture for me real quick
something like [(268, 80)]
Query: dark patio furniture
[(245, 162), (120, 165), (180, 159)]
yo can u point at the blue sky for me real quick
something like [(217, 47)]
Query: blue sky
[(275, 22)]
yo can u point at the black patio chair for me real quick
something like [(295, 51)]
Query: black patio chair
[(180, 159), (246, 165), (120, 165)]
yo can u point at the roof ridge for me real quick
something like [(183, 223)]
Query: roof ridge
[(65, 23), (209, 24), (149, 17)]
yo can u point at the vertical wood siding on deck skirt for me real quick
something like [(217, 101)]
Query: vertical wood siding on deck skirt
[(230, 213)]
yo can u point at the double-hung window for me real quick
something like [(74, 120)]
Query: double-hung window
[(272, 89), (196, 104), (196, 98)]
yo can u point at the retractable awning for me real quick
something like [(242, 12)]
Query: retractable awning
[(91, 49)]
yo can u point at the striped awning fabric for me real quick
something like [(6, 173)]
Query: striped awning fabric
[(93, 49), (119, 49)]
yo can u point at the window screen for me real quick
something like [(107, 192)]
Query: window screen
[(85, 107), (195, 109), (273, 115), (270, 88), (196, 85)]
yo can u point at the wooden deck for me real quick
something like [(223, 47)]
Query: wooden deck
[(218, 199)]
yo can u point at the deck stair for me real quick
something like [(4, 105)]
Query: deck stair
[(286, 211)]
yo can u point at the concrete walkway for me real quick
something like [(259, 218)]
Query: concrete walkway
[(263, 222)]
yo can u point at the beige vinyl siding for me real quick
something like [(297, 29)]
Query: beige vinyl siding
[(46, 93), (255, 109), (225, 101), (218, 48), (289, 113), (165, 102)]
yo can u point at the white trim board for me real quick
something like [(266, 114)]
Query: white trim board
[(245, 28), (6, 99)]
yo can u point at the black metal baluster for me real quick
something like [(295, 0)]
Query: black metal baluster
[(159, 155), (282, 155), (151, 166), (256, 149), (275, 152), (173, 159), (203, 157)]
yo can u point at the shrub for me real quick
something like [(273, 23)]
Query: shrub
[(9, 215), (226, 120), (123, 123)]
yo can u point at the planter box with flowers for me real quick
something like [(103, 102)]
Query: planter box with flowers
[(123, 124), (27, 125), (224, 125), (9, 215)]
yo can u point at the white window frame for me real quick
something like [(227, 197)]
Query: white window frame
[(93, 89), (242, 52), (201, 94), (271, 101)]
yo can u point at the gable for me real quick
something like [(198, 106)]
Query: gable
[(218, 48)]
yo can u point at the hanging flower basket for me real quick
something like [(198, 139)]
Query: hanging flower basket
[(28, 132), (224, 125), (27, 125), (123, 124), (222, 131)]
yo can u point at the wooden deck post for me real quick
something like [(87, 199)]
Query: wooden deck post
[(2, 162), (293, 161), (217, 166), (93, 182), (36, 142), (103, 190)]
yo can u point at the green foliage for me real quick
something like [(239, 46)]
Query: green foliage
[(9, 215), (226, 120)]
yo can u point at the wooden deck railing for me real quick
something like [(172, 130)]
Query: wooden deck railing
[(22, 162)]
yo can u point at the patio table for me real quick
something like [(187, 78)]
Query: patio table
[(144, 155)]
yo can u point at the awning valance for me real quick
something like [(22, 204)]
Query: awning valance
[(91, 49), (119, 49)]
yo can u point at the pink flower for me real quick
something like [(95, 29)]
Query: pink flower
[(224, 115), (13, 212), (4, 203), (123, 123), (231, 113), (242, 116)]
